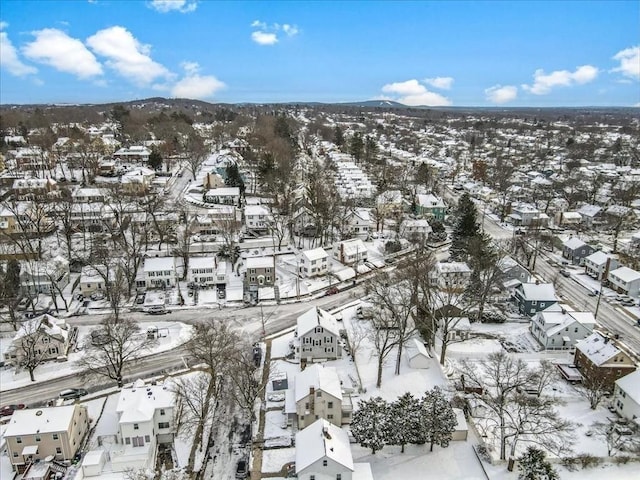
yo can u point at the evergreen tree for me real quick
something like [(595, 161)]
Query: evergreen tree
[(370, 149), (338, 137), (356, 146), (370, 424), (465, 229), (234, 179), (11, 280), (533, 466), (405, 420), (437, 420), (155, 159)]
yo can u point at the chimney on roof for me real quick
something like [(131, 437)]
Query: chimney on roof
[(606, 339)]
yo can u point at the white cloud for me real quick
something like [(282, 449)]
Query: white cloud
[(127, 55), (290, 30), (193, 85), (259, 24), (501, 94), (413, 93), (264, 38), (9, 56), (544, 83), (629, 59), (443, 83), (182, 6), (57, 49)]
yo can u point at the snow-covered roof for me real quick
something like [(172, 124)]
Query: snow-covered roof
[(260, 262), (201, 262), (255, 210), (539, 291), (320, 378), (43, 420), (52, 326), (416, 348), (557, 321), (429, 200), (321, 440), (453, 267), (139, 403), (573, 243), (598, 258), (625, 274), (316, 317), (354, 246), (154, 264), (597, 348), (224, 192), (315, 254), (589, 210), (631, 385)]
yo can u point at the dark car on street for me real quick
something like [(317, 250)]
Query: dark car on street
[(9, 409)]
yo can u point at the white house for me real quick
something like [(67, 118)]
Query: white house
[(313, 263), (223, 196), (626, 396), (202, 270), (145, 419), (595, 265), (93, 279), (323, 452), (318, 336), (160, 272), (358, 222), (560, 327), (351, 251), (418, 355), (625, 280), (256, 218), (451, 275)]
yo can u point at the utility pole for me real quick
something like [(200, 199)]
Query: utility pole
[(605, 274)]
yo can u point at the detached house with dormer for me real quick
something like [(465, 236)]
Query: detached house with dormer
[(145, 419), (430, 206), (575, 250), (600, 360), (318, 336), (626, 396), (559, 327), (534, 297), (451, 275), (46, 336)]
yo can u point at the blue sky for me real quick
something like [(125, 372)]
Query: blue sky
[(457, 53)]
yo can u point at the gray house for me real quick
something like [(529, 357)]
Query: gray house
[(575, 250), (531, 298)]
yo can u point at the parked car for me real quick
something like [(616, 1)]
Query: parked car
[(565, 273), (157, 310), (73, 393), (9, 409), (332, 291), (242, 469), (97, 296), (140, 299), (592, 293)]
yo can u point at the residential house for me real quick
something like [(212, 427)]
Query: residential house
[(46, 336), (138, 180), (133, 154), (350, 251), (598, 264), (212, 180), (215, 219), (575, 250), (534, 297), (450, 275), (318, 336), (567, 219), (317, 393), (624, 280), (34, 434), (626, 396), (415, 228), (34, 188), (257, 219), (32, 159), (25, 217), (313, 263), (223, 196), (389, 204), (591, 216), (323, 452), (304, 222), (92, 279), (160, 272), (428, 205), (44, 276), (560, 327), (526, 215), (600, 361), (145, 419), (202, 270), (90, 217), (89, 195), (512, 270), (259, 272), (357, 222)]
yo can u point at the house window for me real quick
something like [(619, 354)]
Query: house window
[(312, 477), (324, 463), (338, 476), (55, 436), (58, 450), (318, 394), (329, 404), (15, 454), (163, 425), (136, 426), (162, 411), (330, 417), (18, 440), (147, 438), (37, 438), (127, 441)]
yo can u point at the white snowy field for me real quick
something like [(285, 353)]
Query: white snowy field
[(173, 335)]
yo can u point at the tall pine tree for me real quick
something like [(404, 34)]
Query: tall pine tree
[(534, 466), (438, 420), (465, 229), (405, 420), (370, 424)]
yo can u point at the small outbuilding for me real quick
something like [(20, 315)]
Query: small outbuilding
[(462, 429), (93, 463), (418, 355)]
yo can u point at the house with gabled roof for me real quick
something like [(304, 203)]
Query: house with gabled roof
[(626, 396), (257, 218), (600, 360), (318, 336), (450, 275), (512, 270), (46, 336), (145, 419), (313, 263), (323, 452), (34, 434), (595, 265), (350, 251), (161, 272), (533, 297), (575, 250), (591, 215), (561, 327), (358, 222), (624, 280), (428, 205), (44, 276), (317, 393)]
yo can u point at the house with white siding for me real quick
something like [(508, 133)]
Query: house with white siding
[(595, 265), (313, 263), (626, 396), (625, 280), (318, 336), (559, 327)]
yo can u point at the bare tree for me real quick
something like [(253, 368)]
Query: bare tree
[(446, 311), (594, 388), (617, 436), (213, 343), (247, 383), (29, 347), (113, 345), (196, 153), (384, 338)]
